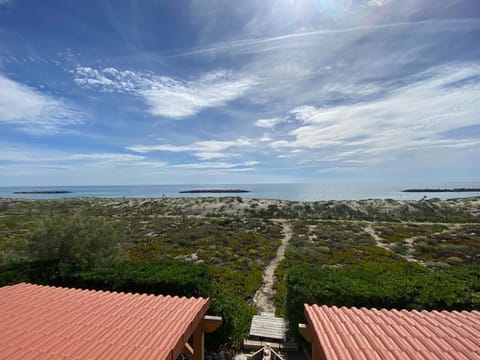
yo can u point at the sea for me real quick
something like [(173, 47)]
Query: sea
[(292, 191)]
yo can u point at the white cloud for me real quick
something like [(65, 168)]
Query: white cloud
[(33, 111), (309, 114), (205, 150), (263, 44), (217, 165), (335, 63), (214, 155), (114, 157), (39, 163), (335, 169), (166, 96), (411, 117), (206, 165), (356, 90), (378, 3), (17, 154), (268, 123), (245, 169), (266, 138)]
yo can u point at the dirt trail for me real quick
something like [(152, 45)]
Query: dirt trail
[(380, 243), (263, 297), (369, 230)]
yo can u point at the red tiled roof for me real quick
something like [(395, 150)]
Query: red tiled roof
[(39, 322), (351, 333)]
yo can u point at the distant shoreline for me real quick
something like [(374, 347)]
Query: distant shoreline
[(443, 190), (214, 191), (290, 192), (44, 192)]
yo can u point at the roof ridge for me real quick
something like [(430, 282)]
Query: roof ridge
[(422, 311), (108, 291)]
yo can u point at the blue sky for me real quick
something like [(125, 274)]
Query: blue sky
[(215, 91)]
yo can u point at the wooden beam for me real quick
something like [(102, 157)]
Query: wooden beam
[(188, 351), (198, 343), (208, 324), (317, 351), (211, 323), (306, 332)]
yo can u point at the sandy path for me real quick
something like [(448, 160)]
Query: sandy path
[(408, 242), (369, 230), (263, 297)]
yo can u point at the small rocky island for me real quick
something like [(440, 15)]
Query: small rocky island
[(213, 191), (44, 192), (443, 190)]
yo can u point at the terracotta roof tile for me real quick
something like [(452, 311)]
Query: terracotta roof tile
[(351, 333), (43, 322)]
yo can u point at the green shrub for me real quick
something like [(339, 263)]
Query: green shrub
[(406, 286), (162, 278), (323, 249), (74, 242), (181, 279), (454, 260), (423, 248)]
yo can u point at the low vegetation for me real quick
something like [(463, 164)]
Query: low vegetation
[(434, 244), (340, 263), (95, 247), (381, 253), (391, 286)]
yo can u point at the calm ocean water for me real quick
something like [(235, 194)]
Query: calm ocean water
[(299, 192)]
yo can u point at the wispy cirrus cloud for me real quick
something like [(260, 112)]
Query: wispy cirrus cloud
[(114, 157), (57, 166), (166, 96), (14, 155), (312, 87), (205, 155), (205, 150), (25, 155), (409, 117), (215, 165), (378, 3), (33, 111), (268, 123), (275, 43)]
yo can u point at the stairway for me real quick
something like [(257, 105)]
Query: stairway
[(269, 331), (266, 353)]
